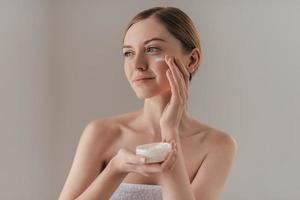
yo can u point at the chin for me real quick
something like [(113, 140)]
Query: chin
[(143, 94)]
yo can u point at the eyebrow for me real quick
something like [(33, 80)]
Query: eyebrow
[(147, 41)]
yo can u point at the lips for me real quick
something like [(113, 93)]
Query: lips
[(143, 78)]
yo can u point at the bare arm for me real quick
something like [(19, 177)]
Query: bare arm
[(103, 186), (84, 181), (212, 175), (210, 178), (175, 183), (87, 180)]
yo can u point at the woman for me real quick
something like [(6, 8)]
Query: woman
[(161, 54)]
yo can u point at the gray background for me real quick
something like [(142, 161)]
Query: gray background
[(61, 67)]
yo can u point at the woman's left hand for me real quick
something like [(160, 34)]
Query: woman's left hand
[(178, 77)]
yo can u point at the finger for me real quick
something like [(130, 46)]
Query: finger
[(173, 86), (153, 168), (181, 80), (132, 158), (147, 168), (183, 70), (144, 174), (137, 160), (173, 76), (136, 169), (168, 161), (185, 73), (174, 163), (174, 158), (174, 146), (176, 75)]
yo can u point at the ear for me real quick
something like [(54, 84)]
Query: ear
[(194, 60)]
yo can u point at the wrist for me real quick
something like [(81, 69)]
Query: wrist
[(169, 134), (113, 166)]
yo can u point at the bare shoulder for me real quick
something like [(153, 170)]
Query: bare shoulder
[(107, 130), (96, 139), (220, 152), (222, 141), (216, 139), (101, 131), (89, 159), (100, 126)]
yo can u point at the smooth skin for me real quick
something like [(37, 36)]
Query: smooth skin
[(201, 156)]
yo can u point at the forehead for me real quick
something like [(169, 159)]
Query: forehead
[(146, 29)]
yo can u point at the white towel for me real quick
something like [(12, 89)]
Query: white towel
[(130, 191)]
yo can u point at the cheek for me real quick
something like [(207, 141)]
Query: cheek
[(126, 71), (160, 68), (158, 64)]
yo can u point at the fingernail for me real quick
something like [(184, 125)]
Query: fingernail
[(143, 160)]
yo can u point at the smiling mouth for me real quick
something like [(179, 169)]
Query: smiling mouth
[(143, 80)]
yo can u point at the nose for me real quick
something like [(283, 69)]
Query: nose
[(141, 68), (140, 62)]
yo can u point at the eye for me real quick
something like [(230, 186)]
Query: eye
[(127, 53), (153, 49)]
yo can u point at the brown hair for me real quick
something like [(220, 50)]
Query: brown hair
[(178, 23)]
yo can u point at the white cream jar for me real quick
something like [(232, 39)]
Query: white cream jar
[(154, 152)]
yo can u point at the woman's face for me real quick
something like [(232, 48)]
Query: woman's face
[(145, 42)]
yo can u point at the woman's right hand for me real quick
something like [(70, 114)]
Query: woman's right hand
[(126, 161)]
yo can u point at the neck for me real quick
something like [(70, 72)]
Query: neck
[(152, 112)]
